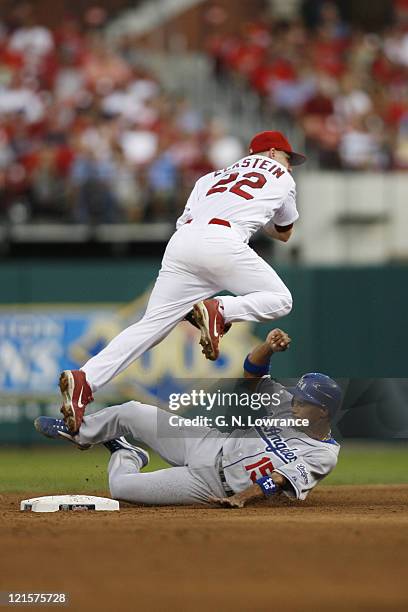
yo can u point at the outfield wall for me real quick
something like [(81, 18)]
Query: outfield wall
[(349, 323)]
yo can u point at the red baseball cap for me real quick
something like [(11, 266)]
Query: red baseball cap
[(275, 140)]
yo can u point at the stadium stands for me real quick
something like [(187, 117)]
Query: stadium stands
[(90, 136), (346, 88)]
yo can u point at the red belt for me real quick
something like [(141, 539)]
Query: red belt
[(215, 221)]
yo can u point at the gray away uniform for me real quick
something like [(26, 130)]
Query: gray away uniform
[(206, 461)]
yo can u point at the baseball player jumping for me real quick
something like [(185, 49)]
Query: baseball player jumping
[(214, 467), (207, 254)]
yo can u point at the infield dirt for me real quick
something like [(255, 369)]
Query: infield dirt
[(345, 548)]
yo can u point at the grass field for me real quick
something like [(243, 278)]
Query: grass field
[(61, 469)]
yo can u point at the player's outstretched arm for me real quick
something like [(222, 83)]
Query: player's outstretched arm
[(256, 364), (262, 489)]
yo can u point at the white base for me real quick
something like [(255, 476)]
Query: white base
[(55, 503)]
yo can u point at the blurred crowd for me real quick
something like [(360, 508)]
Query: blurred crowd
[(87, 136), (347, 89)]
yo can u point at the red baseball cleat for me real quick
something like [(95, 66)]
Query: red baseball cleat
[(190, 319), (210, 322), (76, 394)]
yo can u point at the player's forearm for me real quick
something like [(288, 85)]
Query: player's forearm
[(256, 363), (250, 494), (279, 233), (256, 491), (259, 357), (261, 354), (263, 488), (241, 499)]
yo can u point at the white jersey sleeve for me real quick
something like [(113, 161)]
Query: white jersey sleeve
[(287, 213)]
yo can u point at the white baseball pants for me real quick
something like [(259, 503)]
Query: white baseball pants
[(199, 261), (193, 451)]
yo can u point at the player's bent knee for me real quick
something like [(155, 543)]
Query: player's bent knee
[(281, 304), (287, 303), (127, 414)]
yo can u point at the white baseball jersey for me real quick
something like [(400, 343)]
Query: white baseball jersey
[(259, 451), (203, 259), (249, 194)]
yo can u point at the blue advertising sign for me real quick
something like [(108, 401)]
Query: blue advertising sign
[(36, 343)]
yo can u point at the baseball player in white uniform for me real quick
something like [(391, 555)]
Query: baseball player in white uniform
[(214, 467), (208, 253)]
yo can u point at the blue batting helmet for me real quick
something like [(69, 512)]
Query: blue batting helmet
[(319, 389)]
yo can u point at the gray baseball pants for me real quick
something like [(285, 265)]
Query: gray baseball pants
[(194, 476)]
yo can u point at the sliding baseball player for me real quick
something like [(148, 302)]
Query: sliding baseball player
[(208, 253), (210, 466)]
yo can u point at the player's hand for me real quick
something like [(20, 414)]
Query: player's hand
[(228, 502), (278, 340)]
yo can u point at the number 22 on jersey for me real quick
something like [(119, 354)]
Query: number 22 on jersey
[(254, 180)]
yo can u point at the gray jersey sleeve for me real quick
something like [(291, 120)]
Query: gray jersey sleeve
[(309, 469), (281, 399)]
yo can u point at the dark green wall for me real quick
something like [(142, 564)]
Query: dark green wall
[(349, 322)]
